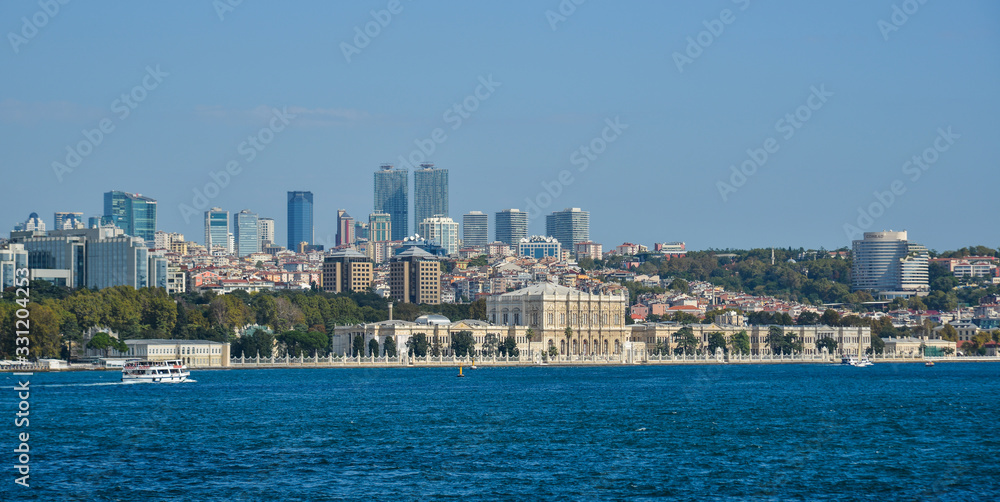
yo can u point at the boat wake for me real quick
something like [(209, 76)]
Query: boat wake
[(94, 384)]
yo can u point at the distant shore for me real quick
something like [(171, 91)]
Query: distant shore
[(445, 363)]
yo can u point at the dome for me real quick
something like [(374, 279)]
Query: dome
[(433, 319)]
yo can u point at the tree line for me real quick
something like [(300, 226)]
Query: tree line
[(300, 321)]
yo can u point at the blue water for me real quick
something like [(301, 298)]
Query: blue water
[(892, 431)]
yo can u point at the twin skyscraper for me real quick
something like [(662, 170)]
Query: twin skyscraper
[(392, 188)]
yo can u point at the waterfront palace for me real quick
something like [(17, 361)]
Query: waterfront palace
[(597, 323)]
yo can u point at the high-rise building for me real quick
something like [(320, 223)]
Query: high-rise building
[(475, 229), (392, 196), (430, 192), (441, 230), (347, 270), (300, 219), (217, 229), (132, 212), (266, 228), (360, 231), (379, 227), (66, 220), (888, 263), (95, 258), (345, 228), (568, 226), (415, 277), (511, 226), (245, 224)]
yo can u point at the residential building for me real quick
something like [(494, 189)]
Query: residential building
[(415, 277), (887, 263), (133, 213), (970, 266), (217, 229), (475, 229), (247, 240), (379, 227), (345, 228), (430, 193), (441, 230), (300, 219), (392, 196), (266, 228), (511, 226), (66, 220), (539, 247), (588, 249), (670, 248), (13, 257), (347, 270), (568, 226)]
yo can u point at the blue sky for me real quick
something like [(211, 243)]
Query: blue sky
[(888, 93)]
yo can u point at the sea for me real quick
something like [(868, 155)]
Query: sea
[(719, 432)]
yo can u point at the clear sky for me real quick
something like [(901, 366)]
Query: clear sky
[(872, 87)]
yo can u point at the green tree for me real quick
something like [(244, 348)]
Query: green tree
[(781, 342), (358, 345), (741, 342), (435, 346), (830, 318), (373, 347), (716, 340), (479, 261), (568, 333), (477, 309), (104, 341), (389, 347), (303, 343), (680, 285), (685, 340), (877, 345), (948, 332), (417, 345), (463, 343), (807, 318), (830, 344), (255, 342), (509, 347)]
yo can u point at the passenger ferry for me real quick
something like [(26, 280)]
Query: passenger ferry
[(856, 361), (137, 371)]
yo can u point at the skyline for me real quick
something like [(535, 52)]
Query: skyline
[(822, 106)]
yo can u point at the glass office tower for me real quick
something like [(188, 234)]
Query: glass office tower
[(300, 219), (392, 196)]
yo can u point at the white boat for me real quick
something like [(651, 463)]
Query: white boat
[(138, 371), (861, 362)]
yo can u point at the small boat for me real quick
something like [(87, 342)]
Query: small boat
[(856, 361), (929, 363), (138, 371)]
